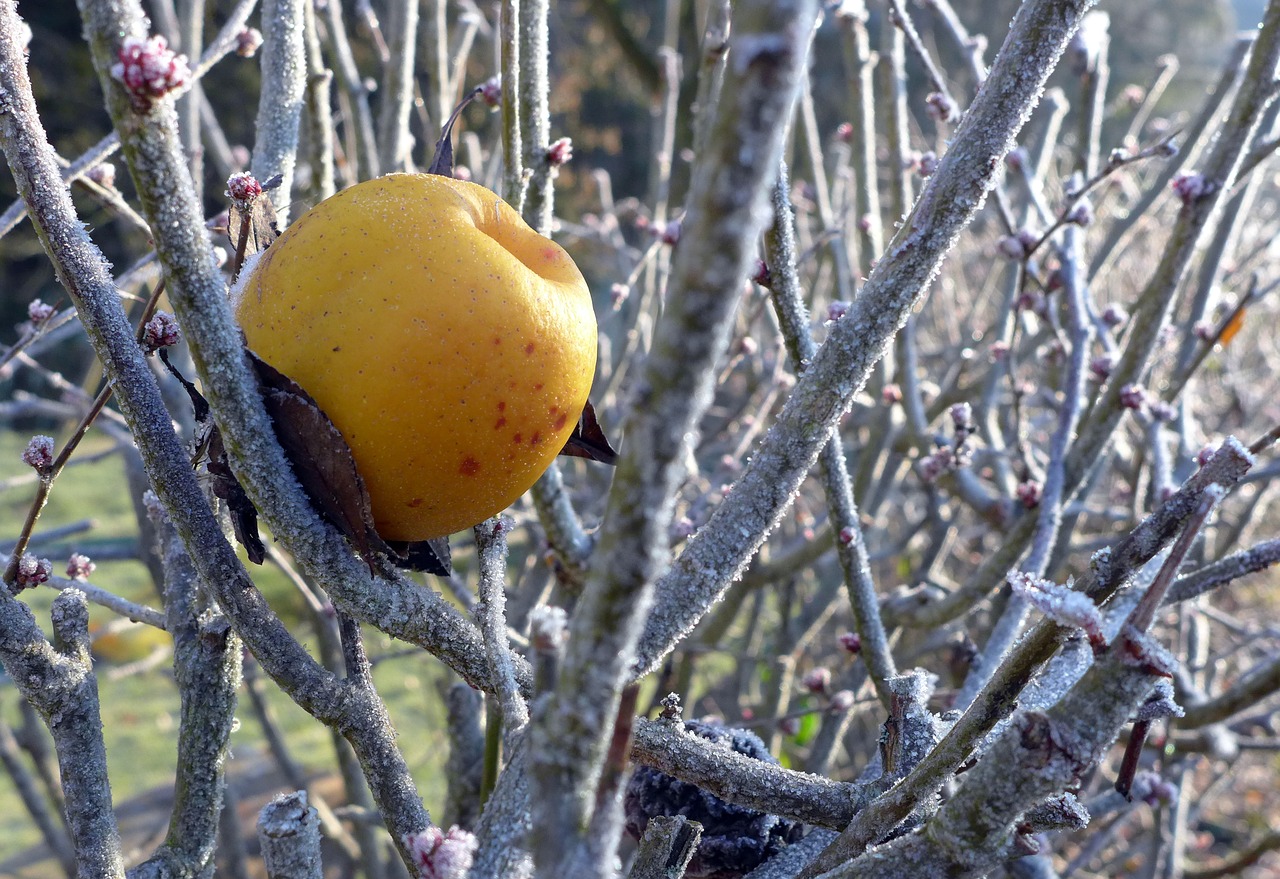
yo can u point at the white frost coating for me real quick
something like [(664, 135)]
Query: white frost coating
[(1239, 448), (242, 280), (1062, 604), (283, 91)]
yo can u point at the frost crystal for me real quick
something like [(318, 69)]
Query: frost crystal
[(1141, 650), (1160, 704), (548, 627), (1060, 603)]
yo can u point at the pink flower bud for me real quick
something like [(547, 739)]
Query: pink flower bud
[(491, 91), (1133, 396), (844, 132), (837, 310), (243, 189), (1082, 213), (940, 107), (80, 566), (851, 642), (1115, 316), (1100, 367), (559, 152), (1191, 187), (440, 855), (248, 41), (1205, 455), (841, 701), (148, 69), (39, 311), (891, 394), (789, 726), (1032, 300), (817, 680), (1029, 492), (928, 163), (103, 174), (160, 332), (670, 234), (760, 273), (933, 466), (38, 455), (32, 572), (1011, 247)]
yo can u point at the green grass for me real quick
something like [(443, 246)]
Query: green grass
[(140, 712)]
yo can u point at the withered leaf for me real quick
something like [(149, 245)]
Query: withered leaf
[(442, 160), (263, 228), (244, 516), (198, 403), (321, 459), (588, 440), (431, 556)]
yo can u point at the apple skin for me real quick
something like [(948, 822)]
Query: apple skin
[(450, 344)]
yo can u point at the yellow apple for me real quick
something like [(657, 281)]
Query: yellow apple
[(450, 344)]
